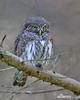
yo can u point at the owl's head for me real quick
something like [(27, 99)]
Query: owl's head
[(37, 25)]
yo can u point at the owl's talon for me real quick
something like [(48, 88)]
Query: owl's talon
[(14, 83)]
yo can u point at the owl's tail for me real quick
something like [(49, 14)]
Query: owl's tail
[(19, 78)]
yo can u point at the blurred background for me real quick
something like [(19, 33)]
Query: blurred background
[(64, 18)]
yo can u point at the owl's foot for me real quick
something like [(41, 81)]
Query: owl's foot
[(19, 78), (20, 84)]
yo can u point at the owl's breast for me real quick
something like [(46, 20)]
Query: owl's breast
[(37, 52)]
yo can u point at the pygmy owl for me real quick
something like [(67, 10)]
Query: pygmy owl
[(35, 43)]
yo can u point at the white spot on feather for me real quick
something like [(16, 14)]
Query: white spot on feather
[(50, 47), (28, 49), (43, 42)]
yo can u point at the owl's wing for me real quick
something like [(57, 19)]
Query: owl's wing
[(16, 43), (20, 43)]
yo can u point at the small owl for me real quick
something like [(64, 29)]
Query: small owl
[(34, 44)]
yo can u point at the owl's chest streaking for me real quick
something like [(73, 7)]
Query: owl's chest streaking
[(38, 52)]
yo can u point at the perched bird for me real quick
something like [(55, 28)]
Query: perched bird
[(35, 43)]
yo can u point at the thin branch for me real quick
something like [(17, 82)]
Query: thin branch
[(31, 92), (6, 69), (11, 98), (47, 76), (1, 44), (30, 84)]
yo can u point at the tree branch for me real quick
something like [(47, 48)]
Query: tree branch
[(1, 44), (47, 76)]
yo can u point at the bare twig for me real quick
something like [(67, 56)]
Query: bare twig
[(6, 69), (12, 96), (30, 84), (31, 92), (1, 44)]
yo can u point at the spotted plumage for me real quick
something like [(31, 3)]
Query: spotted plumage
[(34, 43)]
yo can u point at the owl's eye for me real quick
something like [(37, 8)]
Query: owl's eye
[(34, 27), (44, 28)]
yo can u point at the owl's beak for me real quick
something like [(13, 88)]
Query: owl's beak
[(40, 32)]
